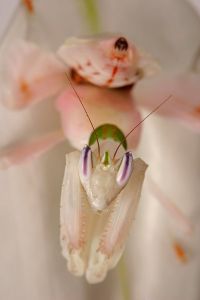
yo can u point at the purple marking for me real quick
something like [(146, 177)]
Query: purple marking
[(86, 150), (128, 155)]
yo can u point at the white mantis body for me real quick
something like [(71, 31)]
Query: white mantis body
[(93, 241), (98, 204)]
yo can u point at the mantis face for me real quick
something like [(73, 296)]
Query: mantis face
[(104, 181)]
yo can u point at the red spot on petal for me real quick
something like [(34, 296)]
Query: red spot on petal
[(114, 71), (26, 91), (96, 73), (24, 87), (88, 63), (197, 110), (109, 81), (180, 253), (29, 5)]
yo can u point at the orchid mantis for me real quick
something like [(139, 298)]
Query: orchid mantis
[(98, 203), (103, 75)]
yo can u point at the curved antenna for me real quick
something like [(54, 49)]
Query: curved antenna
[(79, 98), (153, 111)]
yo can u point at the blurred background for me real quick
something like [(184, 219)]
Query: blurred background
[(31, 265)]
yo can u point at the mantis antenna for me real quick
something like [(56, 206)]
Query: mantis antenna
[(81, 102), (153, 111)]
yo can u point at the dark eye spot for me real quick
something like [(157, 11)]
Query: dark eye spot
[(121, 44)]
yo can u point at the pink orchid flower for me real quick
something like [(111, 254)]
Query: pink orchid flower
[(24, 84), (102, 74), (31, 75)]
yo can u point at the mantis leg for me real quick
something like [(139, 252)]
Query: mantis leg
[(75, 218)]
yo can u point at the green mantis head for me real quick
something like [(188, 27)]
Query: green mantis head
[(108, 131)]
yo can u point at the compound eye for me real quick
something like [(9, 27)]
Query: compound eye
[(125, 169), (121, 44), (85, 164)]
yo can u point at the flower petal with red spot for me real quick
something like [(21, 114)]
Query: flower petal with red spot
[(29, 75)]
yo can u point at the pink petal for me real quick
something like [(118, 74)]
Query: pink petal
[(103, 106), (30, 149), (30, 75), (185, 102)]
